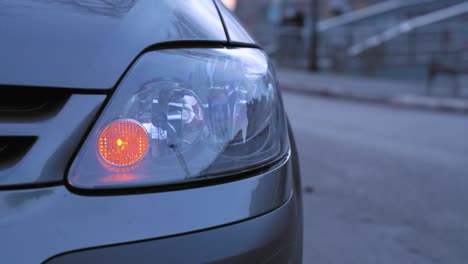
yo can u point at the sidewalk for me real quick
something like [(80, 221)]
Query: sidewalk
[(399, 93)]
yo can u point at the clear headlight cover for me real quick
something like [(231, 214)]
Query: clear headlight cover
[(183, 115)]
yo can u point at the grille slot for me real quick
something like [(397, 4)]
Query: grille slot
[(12, 149), (30, 105), (40, 128)]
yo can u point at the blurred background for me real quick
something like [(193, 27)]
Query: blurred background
[(377, 94), (378, 38)]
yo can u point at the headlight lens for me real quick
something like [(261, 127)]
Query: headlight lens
[(182, 115)]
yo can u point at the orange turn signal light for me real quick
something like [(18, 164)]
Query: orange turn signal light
[(123, 143)]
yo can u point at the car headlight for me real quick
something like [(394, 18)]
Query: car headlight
[(183, 115)]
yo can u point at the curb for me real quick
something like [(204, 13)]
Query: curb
[(404, 100)]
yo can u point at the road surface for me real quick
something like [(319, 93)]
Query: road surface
[(381, 184)]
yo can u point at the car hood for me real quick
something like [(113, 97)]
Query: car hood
[(90, 43)]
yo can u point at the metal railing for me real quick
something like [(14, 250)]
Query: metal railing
[(409, 26), (391, 38)]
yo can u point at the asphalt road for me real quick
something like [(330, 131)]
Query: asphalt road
[(381, 184)]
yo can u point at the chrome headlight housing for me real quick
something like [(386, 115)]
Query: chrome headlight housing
[(184, 115)]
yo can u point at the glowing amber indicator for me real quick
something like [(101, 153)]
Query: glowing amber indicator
[(123, 143)]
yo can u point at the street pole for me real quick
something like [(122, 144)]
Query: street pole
[(313, 49)]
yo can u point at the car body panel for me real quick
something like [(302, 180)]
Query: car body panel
[(89, 44), (235, 31), (49, 221), (270, 238)]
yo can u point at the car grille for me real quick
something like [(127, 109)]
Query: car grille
[(40, 129), (12, 149), (31, 104)]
